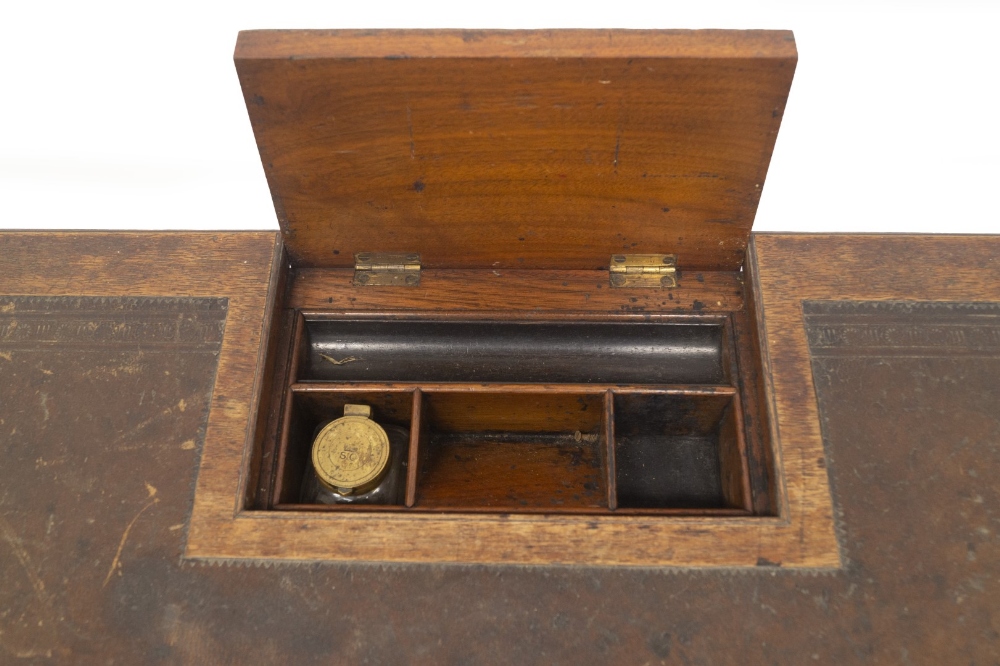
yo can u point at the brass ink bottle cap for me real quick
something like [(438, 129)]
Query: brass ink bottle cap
[(351, 454)]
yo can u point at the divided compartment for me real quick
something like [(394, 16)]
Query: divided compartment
[(634, 417), (512, 451), (677, 450)]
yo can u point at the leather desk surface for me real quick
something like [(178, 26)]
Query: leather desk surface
[(104, 402)]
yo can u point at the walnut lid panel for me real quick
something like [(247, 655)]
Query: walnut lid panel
[(516, 149)]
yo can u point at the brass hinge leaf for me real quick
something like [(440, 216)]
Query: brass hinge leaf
[(386, 269), (643, 270)]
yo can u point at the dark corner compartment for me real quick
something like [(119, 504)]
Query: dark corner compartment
[(679, 451), (514, 352)]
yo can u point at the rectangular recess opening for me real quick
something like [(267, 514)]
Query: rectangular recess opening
[(587, 417)]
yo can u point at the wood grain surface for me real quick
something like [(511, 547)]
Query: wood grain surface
[(307, 44), (466, 471), (462, 293), (514, 150)]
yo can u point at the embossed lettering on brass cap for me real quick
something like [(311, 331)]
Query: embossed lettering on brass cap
[(351, 454)]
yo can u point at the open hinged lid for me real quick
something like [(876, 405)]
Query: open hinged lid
[(516, 149)]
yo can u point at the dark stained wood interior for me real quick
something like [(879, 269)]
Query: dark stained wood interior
[(679, 451)]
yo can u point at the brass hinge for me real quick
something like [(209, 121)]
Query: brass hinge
[(643, 270), (386, 269)]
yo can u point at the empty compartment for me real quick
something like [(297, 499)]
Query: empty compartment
[(511, 451), (310, 409), (688, 352), (679, 451)]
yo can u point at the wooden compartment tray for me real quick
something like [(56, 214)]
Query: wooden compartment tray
[(600, 440)]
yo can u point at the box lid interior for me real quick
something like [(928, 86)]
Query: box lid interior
[(516, 149)]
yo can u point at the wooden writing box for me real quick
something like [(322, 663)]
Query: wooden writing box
[(529, 250), (158, 390)]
